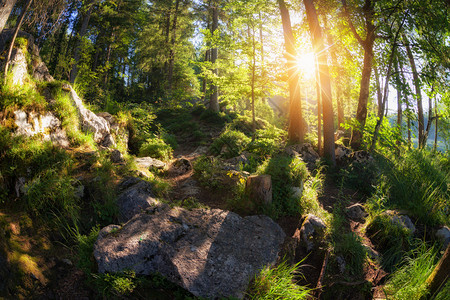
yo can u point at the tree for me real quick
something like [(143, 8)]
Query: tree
[(13, 40), (296, 131), (325, 84), (367, 45), (214, 98), (6, 7)]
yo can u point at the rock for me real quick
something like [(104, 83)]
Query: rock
[(356, 212), (443, 235), (41, 73), (362, 157), (32, 123), (149, 163), (400, 220), (201, 150), (135, 199), (108, 141), (373, 254), (18, 67), (116, 156), (181, 166), (211, 253), (297, 191), (89, 121), (20, 186), (79, 191), (259, 189), (311, 232), (236, 163), (305, 151), (342, 154), (341, 264)]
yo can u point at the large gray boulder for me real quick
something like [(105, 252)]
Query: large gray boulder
[(149, 163), (136, 197), (90, 122), (211, 253)]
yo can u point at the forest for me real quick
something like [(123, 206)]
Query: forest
[(224, 149)]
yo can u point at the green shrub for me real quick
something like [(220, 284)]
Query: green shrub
[(117, 284), (52, 192), (278, 283), (208, 172), (232, 142), (409, 281), (391, 239), (350, 247), (359, 176), (86, 249), (25, 96), (286, 172), (156, 148)]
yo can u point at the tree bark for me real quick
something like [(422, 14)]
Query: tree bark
[(435, 125), (296, 131), (430, 119), (319, 109), (367, 44), (16, 31), (399, 95), (253, 80), (6, 7), (259, 189), (214, 99), (418, 91), (77, 54), (440, 274), (325, 84)]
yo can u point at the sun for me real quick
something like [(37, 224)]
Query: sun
[(306, 65)]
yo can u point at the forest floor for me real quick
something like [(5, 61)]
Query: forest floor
[(335, 285)]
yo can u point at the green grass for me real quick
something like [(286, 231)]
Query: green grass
[(68, 115), (286, 172), (418, 181), (409, 281), (391, 239), (278, 283), (155, 147)]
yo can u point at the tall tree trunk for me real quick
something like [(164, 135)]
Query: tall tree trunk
[(6, 7), (367, 44), (340, 106), (430, 119), (253, 80), (77, 54), (399, 94), (319, 110), (167, 34), (214, 99), (384, 100), (172, 46), (325, 84), (418, 95), (436, 124), (13, 40), (379, 94), (296, 131)]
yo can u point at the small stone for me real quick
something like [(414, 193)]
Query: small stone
[(67, 261), (341, 263), (116, 156), (148, 163), (311, 232), (356, 212), (443, 234), (79, 191)]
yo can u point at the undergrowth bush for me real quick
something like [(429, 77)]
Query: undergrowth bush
[(155, 147), (278, 283), (230, 143), (208, 172), (286, 172)]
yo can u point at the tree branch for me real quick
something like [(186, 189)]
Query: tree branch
[(350, 23)]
